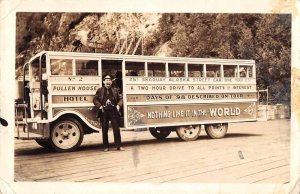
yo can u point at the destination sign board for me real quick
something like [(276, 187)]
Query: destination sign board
[(58, 79), (189, 113), (74, 88), (189, 80), (191, 97), (72, 99), (180, 88), (164, 85)]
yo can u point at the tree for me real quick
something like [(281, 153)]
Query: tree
[(266, 38)]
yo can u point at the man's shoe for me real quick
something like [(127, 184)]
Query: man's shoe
[(105, 150), (120, 149)]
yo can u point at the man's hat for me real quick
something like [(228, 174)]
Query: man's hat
[(107, 77)]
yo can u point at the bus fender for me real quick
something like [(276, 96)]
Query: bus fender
[(78, 116)]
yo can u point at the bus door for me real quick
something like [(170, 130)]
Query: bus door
[(113, 67), (38, 88), (117, 69)]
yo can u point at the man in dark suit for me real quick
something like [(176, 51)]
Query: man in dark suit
[(109, 102)]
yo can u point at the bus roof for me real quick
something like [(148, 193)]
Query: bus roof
[(142, 57)]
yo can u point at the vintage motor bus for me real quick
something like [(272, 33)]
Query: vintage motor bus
[(163, 94)]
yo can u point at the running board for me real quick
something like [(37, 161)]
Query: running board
[(31, 130)]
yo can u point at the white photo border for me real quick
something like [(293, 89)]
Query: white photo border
[(8, 11)]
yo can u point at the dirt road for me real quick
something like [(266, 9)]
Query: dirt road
[(254, 152)]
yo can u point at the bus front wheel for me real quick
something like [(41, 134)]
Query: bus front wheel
[(188, 133), (66, 135), (160, 133), (216, 131)]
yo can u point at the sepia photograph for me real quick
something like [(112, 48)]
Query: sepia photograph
[(159, 98), (163, 79)]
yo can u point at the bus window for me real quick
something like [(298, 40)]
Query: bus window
[(86, 67), (246, 71), (61, 66), (35, 72), (230, 70), (176, 69), (213, 70), (35, 68), (134, 68), (195, 70), (156, 69)]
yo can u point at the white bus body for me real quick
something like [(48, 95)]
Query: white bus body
[(163, 94)]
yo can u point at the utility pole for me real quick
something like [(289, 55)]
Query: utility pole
[(142, 43), (267, 103)]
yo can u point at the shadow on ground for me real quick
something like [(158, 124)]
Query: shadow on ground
[(126, 144)]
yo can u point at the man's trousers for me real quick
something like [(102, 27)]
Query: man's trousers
[(113, 116)]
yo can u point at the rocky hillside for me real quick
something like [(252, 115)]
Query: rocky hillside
[(106, 33), (264, 38)]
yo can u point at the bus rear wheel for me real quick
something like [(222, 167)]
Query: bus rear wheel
[(66, 135), (188, 133), (216, 131), (160, 133)]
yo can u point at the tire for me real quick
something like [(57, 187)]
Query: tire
[(160, 133), (216, 131), (189, 132), (66, 135), (43, 143)]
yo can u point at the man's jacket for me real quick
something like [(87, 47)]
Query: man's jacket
[(99, 97)]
